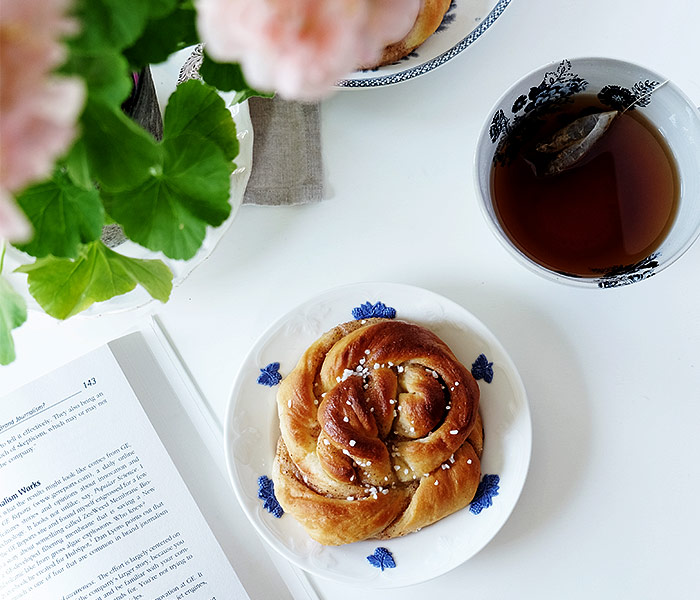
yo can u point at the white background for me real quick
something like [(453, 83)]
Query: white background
[(609, 509)]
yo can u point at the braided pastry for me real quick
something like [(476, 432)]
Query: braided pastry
[(430, 15), (380, 433)]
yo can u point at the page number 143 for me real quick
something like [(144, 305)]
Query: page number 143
[(90, 382)]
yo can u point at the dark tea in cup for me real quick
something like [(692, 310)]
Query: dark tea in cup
[(588, 172), (610, 208)]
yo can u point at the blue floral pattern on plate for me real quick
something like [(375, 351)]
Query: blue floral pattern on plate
[(270, 375), (266, 493), (482, 369), (372, 311), (483, 498), (449, 17), (382, 559)]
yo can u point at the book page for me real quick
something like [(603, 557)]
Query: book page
[(91, 505)]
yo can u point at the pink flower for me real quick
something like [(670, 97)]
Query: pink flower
[(13, 224), (38, 110), (300, 48)]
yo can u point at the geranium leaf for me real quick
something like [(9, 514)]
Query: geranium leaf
[(115, 23), (109, 23), (77, 165), (64, 287), (160, 8), (105, 72), (228, 77), (164, 36), (245, 94), (171, 209), (196, 108), (120, 153), (13, 312), (63, 215)]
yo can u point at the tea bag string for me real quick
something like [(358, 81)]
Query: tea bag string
[(644, 96)]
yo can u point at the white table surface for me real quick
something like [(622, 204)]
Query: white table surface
[(609, 509)]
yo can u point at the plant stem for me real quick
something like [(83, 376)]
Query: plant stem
[(2, 255)]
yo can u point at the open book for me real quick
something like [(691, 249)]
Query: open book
[(108, 490)]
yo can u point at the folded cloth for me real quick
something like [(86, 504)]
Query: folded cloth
[(287, 164)]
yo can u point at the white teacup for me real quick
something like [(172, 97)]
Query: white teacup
[(663, 104)]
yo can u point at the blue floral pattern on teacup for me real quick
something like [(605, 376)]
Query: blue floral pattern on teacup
[(558, 87)]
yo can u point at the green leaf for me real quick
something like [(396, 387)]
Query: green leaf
[(164, 195), (65, 287), (169, 212), (197, 108), (63, 215), (228, 77), (120, 153), (106, 74), (243, 95), (161, 8), (162, 37), (109, 23), (115, 23), (13, 312), (77, 165)]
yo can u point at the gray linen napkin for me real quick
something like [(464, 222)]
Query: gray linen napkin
[(287, 164)]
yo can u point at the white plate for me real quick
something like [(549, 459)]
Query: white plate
[(165, 78), (464, 23), (252, 430)]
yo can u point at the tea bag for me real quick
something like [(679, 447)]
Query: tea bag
[(571, 143)]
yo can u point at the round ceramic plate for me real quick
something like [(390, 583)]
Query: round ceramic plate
[(464, 23), (165, 78), (252, 430)]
